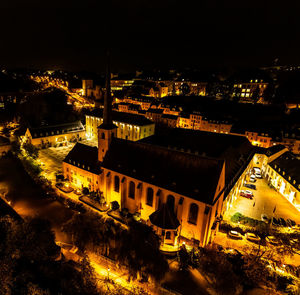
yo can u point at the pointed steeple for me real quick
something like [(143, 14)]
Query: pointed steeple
[(107, 130), (107, 120)]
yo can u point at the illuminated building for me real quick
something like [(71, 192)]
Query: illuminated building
[(259, 139), (245, 90), (153, 181), (283, 173), (120, 84), (89, 90), (130, 126), (195, 88), (54, 135)]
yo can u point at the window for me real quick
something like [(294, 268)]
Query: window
[(193, 213), (171, 202), (149, 200), (168, 235), (117, 184), (103, 136), (206, 210), (131, 190)]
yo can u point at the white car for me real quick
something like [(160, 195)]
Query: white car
[(258, 175), (252, 178), (235, 235), (256, 170)]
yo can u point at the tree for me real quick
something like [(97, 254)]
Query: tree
[(216, 264), (31, 150), (30, 262), (138, 249)]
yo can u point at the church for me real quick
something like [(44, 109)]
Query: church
[(179, 194)]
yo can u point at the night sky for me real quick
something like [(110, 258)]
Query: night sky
[(149, 34)]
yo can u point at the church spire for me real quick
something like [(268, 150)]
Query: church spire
[(107, 120), (107, 130)]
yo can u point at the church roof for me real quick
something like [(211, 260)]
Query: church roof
[(84, 157), (187, 174), (164, 218), (237, 151)]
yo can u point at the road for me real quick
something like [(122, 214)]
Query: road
[(264, 202), (27, 199)]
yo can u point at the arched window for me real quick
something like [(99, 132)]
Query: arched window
[(168, 235), (149, 200), (193, 214), (117, 184), (131, 190), (171, 202), (103, 135)]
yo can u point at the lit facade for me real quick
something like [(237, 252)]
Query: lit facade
[(245, 90), (259, 139), (130, 127), (56, 135)]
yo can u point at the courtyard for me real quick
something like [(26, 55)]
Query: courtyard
[(265, 201)]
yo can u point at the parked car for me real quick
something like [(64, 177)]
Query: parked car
[(250, 185), (235, 235), (282, 222), (252, 178), (291, 222), (252, 237), (77, 192), (275, 221), (247, 194), (258, 175), (264, 218), (256, 170), (272, 240)]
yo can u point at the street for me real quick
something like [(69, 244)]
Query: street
[(27, 199)]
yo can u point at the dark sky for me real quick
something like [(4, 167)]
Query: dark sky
[(63, 34)]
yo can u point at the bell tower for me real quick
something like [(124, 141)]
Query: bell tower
[(107, 130)]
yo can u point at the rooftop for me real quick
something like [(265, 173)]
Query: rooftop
[(84, 157), (56, 129), (187, 174), (235, 150), (288, 166)]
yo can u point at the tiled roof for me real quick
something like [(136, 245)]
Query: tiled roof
[(56, 129), (187, 174), (235, 150), (288, 166), (84, 157), (164, 218)]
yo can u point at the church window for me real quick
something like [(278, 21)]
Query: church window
[(117, 184), (171, 202), (193, 213), (103, 135), (131, 190), (168, 235), (149, 200)]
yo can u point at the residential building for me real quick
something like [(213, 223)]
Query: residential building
[(130, 126), (54, 135), (283, 173)]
